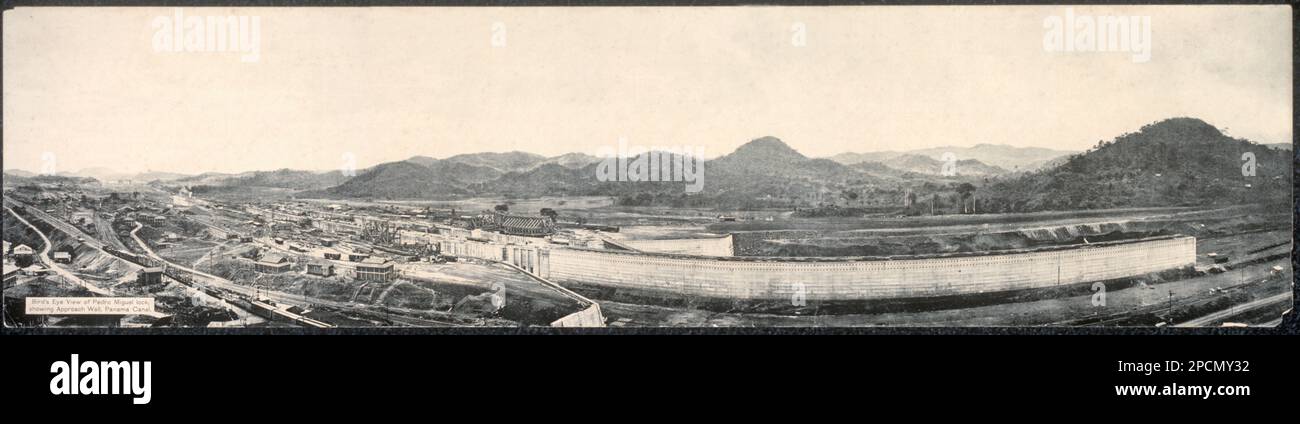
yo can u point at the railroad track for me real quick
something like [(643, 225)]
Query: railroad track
[(58, 224), (1165, 309), (1237, 310), (104, 228), (45, 259), (203, 279)]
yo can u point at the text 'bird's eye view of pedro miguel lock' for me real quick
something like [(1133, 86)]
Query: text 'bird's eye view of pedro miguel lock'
[(648, 167)]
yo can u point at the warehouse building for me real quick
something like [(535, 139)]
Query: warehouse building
[(149, 276), (375, 269), (320, 268), (272, 263)]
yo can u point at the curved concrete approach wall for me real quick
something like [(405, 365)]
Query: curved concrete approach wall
[(712, 246), (864, 279), (587, 317), (533, 262)]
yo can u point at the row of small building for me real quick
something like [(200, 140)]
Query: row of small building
[(366, 269), (21, 259), (25, 255)]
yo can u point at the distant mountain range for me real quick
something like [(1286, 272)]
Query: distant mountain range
[(12, 178), (426, 177), (106, 175), (1176, 161), (762, 171), (281, 178), (501, 162), (506, 162), (767, 172), (919, 164), (484, 167), (398, 180), (1008, 158)]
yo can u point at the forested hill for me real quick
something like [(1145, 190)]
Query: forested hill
[(1175, 162)]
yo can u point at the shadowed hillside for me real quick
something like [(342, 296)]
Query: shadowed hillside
[(1175, 162)]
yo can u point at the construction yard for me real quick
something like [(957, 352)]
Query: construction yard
[(1237, 250)]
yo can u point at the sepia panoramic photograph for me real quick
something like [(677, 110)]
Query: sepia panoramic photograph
[(702, 167)]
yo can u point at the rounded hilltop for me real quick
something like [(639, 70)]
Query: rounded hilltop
[(1181, 128), (767, 148)]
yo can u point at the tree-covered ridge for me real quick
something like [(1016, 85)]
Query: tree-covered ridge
[(1175, 162)]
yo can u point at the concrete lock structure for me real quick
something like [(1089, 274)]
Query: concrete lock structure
[(833, 278), (707, 246)]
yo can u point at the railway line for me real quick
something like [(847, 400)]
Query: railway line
[(1164, 309), (96, 244), (1284, 297), (107, 250), (241, 294), (45, 259), (58, 224), (237, 297), (245, 292), (104, 232)]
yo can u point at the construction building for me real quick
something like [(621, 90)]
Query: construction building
[(11, 272), (23, 255), (375, 269), (533, 226), (149, 276), (320, 268), (272, 263)]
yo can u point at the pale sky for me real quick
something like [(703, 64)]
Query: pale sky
[(385, 84)]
